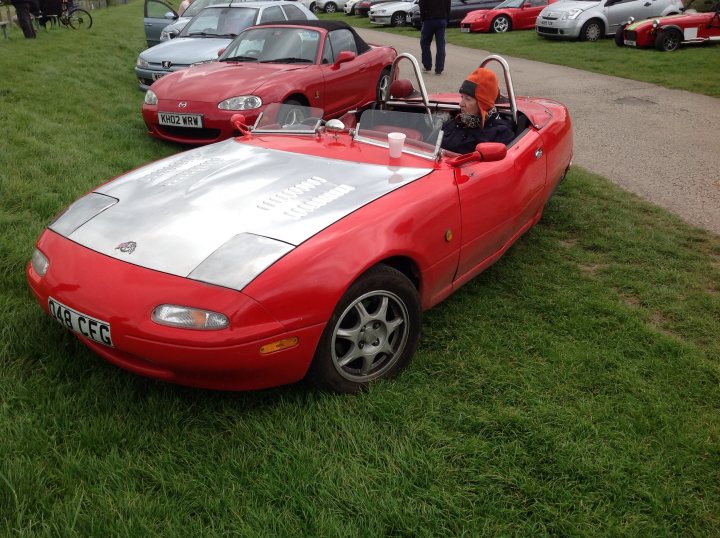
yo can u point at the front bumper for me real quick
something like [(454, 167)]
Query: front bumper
[(216, 122), (124, 296), (557, 28), (147, 75)]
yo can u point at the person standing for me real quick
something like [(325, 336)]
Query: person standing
[(183, 6), (434, 15), (23, 8)]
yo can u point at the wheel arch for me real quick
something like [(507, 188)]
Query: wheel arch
[(595, 18), (297, 96)]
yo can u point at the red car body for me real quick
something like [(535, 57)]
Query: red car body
[(436, 221), (668, 33), (510, 15), (355, 75)]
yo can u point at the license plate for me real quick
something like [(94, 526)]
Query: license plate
[(630, 43), (156, 76), (408, 18), (545, 23), (94, 329), (180, 120), (465, 29)]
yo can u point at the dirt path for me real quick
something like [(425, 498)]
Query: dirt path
[(660, 144)]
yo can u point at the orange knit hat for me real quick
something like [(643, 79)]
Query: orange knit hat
[(481, 84)]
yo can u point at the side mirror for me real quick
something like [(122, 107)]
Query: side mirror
[(484, 152), (344, 57), (220, 52), (171, 15), (491, 151)]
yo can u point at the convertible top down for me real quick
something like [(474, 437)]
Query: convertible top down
[(301, 248)]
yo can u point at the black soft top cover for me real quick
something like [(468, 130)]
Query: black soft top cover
[(327, 25)]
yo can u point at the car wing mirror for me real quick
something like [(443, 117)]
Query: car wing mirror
[(171, 15), (484, 152), (344, 57), (220, 52), (238, 121)]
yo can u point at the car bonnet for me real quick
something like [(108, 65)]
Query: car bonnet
[(226, 205), (185, 50)]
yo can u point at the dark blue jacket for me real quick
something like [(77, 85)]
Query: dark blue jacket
[(461, 139)]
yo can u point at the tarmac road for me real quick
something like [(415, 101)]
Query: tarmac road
[(658, 143)]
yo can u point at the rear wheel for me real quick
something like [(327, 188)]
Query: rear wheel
[(668, 40), (592, 30), (382, 90), (330, 7), (372, 334), (501, 24), (79, 18)]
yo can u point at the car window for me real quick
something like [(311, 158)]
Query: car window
[(341, 40), (294, 13), (272, 14), (214, 21), (198, 5), (538, 3), (157, 10), (273, 45)]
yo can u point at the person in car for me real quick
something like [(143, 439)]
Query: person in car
[(478, 120)]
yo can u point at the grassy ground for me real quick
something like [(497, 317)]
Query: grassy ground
[(572, 389), (695, 69)]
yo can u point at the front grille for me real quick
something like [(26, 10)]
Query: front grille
[(631, 35), (549, 31), (189, 132)]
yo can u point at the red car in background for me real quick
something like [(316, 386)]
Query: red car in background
[(510, 15), (322, 64), (668, 33)]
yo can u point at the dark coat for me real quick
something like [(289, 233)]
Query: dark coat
[(434, 9), (461, 139)]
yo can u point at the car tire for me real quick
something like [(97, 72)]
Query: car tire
[(592, 30), (291, 113), (668, 40), (330, 7), (382, 88), (397, 19), (501, 24), (620, 37), (372, 334)]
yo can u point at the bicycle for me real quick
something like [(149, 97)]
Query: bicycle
[(74, 17)]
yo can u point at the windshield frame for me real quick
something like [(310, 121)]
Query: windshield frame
[(186, 31)]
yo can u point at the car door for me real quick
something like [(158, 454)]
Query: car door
[(346, 85), (526, 15), (157, 16), (499, 200), (617, 12)]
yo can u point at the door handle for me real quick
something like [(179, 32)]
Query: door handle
[(538, 153)]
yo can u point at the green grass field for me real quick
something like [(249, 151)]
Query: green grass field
[(572, 389)]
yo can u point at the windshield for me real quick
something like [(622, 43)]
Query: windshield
[(220, 21), (510, 3), (421, 129), (198, 5), (274, 45), (289, 118)]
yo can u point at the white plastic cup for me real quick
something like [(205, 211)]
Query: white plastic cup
[(396, 142)]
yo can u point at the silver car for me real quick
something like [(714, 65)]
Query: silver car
[(589, 20), (209, 32)]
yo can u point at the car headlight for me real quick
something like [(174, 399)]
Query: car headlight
[(186, 317), (241, 102), (142, 62), (39, 262), (380, 11), (151, 98), (571, 14), (655, 24)]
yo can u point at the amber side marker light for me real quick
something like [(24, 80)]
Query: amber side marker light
[(285, 343)]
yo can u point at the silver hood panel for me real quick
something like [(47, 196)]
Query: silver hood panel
[(176, 214)]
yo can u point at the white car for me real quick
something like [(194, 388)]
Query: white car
[(391, 13), (350, 7), (590, 20), (329, 6)]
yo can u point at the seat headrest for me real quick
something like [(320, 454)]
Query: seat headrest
[(401, 88)]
